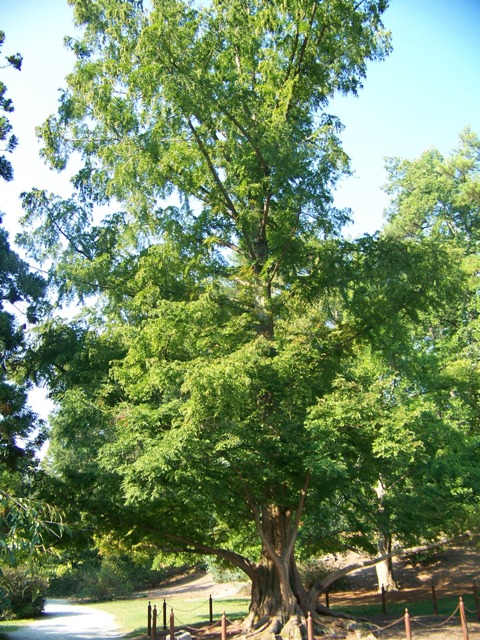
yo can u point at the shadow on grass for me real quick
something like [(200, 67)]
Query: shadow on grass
[(446, 607)]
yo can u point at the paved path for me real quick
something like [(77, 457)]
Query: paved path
[(65, 621)]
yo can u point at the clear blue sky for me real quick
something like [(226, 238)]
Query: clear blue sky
[(423, 95)]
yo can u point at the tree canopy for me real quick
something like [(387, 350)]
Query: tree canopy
[(27, 525), (6, 106), (242, 381)]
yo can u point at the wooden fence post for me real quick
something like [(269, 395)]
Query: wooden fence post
[(172, 625), (309, 626), (224, 626), (327, 599), (463, 620), (154, 623), (149, 619), (164, 614), (210, 608), (384, 600), (434, 598), (408, 629)]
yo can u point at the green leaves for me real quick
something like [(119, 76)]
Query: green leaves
[(232, 342), (6, 137)]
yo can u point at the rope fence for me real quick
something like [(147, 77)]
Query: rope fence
[(152, 623), (407, 620)]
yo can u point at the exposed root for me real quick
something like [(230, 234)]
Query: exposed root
[(275, 628)]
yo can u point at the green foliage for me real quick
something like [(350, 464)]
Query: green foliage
[(223, 572), (235, 354), (28, 528), (6, 106), (22, 594), (103, 580)]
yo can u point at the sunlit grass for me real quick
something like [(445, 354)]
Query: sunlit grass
[(132, 615)]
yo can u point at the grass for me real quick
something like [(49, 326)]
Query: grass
[(131, 615), (7, 626), (446, 607)]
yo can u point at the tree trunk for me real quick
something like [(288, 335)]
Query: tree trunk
[(277, 592), (272, 600), (384, 568)]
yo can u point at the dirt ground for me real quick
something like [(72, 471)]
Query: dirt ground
[(452, 572)]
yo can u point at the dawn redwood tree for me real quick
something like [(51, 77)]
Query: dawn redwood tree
[(220, 302)]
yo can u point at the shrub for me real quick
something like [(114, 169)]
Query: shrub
[(223, 572), (113, 578), (23, 594)]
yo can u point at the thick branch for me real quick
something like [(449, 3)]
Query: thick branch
[(263, 163), (258, 524), (206, 155), (285, 247), (298, 518), (324, 584), (225, 554)]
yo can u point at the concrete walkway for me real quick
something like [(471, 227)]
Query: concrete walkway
[(65, 621)]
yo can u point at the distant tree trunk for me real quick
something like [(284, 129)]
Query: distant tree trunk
[(384, 569)]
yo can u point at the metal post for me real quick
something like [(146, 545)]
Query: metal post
[(309, 626), (434, 597), (224, 626), (172, 625), (210, 608), (154, 624), (463, 620), (164, 614), (149, 619), (384, 600), (408, 629)]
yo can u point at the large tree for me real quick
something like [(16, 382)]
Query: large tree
[(221, 305)]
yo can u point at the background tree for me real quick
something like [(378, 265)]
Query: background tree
[(416, 401), (6, 106), (222, 307), (27, 524)]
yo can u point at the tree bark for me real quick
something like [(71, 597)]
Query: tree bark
[(384, 568), (272, 595)]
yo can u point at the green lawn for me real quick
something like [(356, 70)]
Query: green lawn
[(446, 606), (131, 615)]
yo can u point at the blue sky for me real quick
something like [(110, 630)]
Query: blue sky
[(423, 95)]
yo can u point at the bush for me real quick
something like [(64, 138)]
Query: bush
[(23, 594), (223, 572), (95, 582), (92, 583)]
